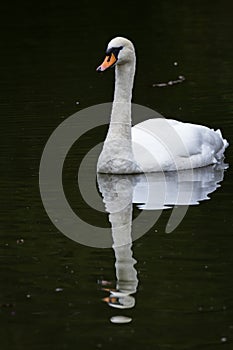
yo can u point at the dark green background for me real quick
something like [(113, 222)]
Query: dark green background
[(49, 52)]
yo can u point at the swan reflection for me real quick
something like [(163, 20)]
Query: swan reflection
[(186, 187), (153, 191), (117, 194)]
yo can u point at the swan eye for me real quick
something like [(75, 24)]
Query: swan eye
[(110, 59), (114, 50)]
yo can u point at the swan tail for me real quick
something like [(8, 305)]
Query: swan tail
[(220, 154)]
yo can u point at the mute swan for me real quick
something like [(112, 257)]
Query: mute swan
[(157, 144)]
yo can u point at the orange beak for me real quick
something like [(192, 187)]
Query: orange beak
[(109, 61)]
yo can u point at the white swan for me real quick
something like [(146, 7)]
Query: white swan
[(156, 144)]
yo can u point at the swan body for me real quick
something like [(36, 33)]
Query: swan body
[(178, 145), (154, 145)]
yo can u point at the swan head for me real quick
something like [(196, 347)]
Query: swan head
[(119, 51)]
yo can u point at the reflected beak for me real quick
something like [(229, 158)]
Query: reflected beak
[(110, 300), (109, 61)]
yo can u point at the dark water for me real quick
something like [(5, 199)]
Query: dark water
[(52, 287)]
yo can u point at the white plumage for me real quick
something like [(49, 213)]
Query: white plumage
[(167, 145), (156, 144)]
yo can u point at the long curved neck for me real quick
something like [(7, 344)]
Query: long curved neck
[(124, 78), (117, 154)]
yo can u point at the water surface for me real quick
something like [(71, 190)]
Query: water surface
[(52, 287)]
